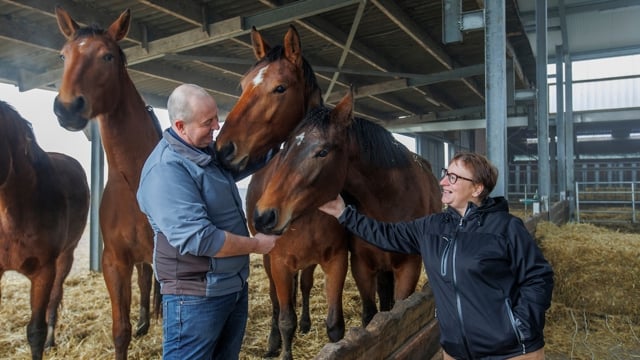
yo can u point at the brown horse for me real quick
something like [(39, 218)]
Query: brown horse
[(95, 84), (44, 199), (330, 152), (282, 86)]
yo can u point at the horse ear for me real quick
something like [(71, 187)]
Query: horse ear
[(67, 25), (119, 29), (260, 46), (343, 112), (292, 47)]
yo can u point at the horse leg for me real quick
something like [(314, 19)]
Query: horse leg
[(41, 284), (275, 341), (386, 286), (406, 278), (365, 282), (306, 284), (283, 280), (145, 277), (336, 273), (117, 277), (1, 274), (63, 267)]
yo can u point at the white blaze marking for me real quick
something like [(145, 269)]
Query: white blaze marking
[(260, 77), (299, 139)]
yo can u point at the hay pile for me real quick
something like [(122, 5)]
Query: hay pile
[(595, 312), (84, 326)]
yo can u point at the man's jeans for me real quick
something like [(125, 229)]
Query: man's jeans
[(197, 327)]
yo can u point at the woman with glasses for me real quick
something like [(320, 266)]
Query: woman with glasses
[(491, 283)]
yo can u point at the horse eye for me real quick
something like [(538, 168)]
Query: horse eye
[(279, 89), (322, 153), (108, 57), (61, 57)]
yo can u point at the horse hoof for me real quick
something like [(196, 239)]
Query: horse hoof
[(305, 327), (272, 353), (305, 324), (141, 330)]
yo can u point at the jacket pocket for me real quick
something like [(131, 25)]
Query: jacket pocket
[(515, 322), (445, 257)]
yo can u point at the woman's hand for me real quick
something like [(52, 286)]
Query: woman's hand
[(334, 207)]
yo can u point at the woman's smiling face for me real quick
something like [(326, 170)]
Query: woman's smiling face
[(460, 193)]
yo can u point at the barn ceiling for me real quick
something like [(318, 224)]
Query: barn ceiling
[(391, 51)]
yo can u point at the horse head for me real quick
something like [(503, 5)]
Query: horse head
[(310, 170), (93, 65), (276, 93)]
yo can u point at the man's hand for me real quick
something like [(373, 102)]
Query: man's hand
[(264, 243)]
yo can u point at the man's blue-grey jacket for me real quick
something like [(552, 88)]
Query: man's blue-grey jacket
[(190, 200), (490, 281)]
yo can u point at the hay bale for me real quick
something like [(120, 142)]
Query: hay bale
[(595, 269), (594, 312)]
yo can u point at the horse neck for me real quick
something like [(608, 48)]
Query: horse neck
[(128, 134)]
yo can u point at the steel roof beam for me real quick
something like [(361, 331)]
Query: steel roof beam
[(218, 31)]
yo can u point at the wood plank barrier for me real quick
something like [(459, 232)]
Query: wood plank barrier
[(408, 331)]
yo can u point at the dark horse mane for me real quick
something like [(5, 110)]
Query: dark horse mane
[(377, 145), (22, 126), (37, 157), (277, 53)]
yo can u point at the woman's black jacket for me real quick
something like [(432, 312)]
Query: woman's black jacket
[(490, 281)]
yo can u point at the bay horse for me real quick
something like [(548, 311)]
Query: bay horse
[(332, 152), (95, 85), (44, 197), (279, 89)]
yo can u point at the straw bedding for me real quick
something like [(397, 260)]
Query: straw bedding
[(595, 312)]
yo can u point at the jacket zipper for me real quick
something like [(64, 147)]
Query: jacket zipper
[(514, 325), (455, 287)]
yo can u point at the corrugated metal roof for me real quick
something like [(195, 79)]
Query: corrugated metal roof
[(394, 40)]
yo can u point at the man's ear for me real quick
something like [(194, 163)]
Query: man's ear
[(179, 125)]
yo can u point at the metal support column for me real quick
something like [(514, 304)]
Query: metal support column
[(495, 55), (97, 185), (560, 125), (544, 173)]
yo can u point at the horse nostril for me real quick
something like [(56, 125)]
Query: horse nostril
[(227, 151), (265, 221), (77, 105)]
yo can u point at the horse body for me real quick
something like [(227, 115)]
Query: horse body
[(330, 152), (279, 89), (95, 84), (44, 199)]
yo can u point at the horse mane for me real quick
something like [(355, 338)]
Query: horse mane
[(21, 125), (96, 30), (277, 53), (24, 130), (376, 144)]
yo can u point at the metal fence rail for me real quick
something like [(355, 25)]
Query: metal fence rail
[(610, 202)]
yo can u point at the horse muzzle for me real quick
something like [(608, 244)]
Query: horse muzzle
[(228, 157), (71, 117), (266, 222)]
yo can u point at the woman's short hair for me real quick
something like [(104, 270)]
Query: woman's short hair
[(484, 172)]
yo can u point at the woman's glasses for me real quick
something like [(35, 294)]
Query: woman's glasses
[(453, 178)]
